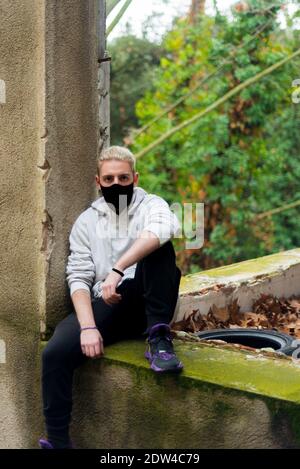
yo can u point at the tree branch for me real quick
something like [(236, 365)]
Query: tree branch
[(217, 103), (276, 210), (110, 5), (232, 53), (118, 17)]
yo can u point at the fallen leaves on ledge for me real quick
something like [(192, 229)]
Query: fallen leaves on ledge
[(268, 312)]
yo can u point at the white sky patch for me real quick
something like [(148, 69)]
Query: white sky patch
[(291, 10), (141, 10)]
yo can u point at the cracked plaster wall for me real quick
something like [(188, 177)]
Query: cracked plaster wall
[(48, 143)]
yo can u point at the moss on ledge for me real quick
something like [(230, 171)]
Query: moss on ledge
[(258, 395), (246, 270), (271, 377)]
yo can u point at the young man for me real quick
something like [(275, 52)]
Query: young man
[(123, 282)]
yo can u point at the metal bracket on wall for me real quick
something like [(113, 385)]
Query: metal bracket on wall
[(105, 59)]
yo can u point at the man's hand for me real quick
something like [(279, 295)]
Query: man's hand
[(109, 286), (91, 343)]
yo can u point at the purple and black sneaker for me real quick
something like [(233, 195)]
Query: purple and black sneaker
[(160, 352), (45, 444)]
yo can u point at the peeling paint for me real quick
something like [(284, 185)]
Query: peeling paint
[(47, 236), (43, 326), (277, 274), (253, 269), (45, 134), (46, 169)]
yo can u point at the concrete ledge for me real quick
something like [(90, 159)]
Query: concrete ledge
[(277, 274), (223, 399)]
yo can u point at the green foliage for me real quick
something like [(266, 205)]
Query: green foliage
[(134, 62), (241, 159)]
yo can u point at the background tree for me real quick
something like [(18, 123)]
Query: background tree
[(134, 64), (236, 158), (197, 8)]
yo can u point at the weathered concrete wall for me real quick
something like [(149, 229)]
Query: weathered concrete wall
[(21, 124), (222, 399), (277, 274), (70, 143), (48, 142)]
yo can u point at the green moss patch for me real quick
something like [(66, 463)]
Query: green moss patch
[(267, 266), (251, 373)]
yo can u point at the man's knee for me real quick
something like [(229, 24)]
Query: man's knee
[(165, 251), (167, 247)]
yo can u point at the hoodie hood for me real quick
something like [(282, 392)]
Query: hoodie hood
[(137, 197)]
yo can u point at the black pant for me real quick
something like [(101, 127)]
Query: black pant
[(147, 299)]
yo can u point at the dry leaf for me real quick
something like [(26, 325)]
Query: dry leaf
[(221, 314), (268, 313)]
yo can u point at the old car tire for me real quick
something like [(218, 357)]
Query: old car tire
[(264, 338)]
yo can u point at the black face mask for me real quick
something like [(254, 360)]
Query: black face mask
[(111, 195)]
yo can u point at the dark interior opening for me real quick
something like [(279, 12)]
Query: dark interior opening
[(255, 342)]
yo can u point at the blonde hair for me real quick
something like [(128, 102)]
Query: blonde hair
[(116, 153)]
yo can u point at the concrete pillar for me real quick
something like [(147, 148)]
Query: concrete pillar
[(48, 145)]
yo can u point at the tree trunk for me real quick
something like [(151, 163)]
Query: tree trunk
[(197, 8)]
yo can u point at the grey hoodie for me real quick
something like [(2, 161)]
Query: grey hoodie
[(99, 238)]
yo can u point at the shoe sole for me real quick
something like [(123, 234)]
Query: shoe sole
[(155, 368), (44, 444)]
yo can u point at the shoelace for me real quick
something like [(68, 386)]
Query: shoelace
[(166, 347)]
